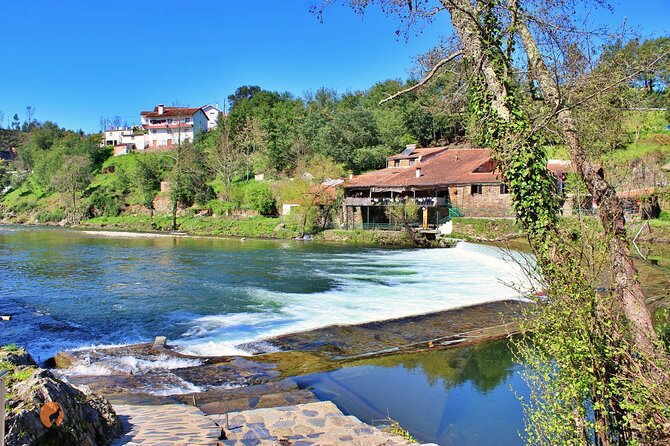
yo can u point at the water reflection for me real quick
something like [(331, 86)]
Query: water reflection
[(450, 397)]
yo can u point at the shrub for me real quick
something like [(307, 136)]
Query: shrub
[(55, 215), (219, 207), (106, 202), (259, 198)]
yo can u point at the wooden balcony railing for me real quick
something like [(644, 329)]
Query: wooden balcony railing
[(421, 201)]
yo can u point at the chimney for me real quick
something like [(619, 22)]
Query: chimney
[(161, 109), (418, 172), (351, 176)]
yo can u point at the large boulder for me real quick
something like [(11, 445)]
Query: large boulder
[(89, 420)]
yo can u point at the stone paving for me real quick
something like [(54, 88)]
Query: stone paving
[(166, 425), (311, 424)]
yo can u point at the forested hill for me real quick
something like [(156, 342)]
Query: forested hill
[(297, 141)]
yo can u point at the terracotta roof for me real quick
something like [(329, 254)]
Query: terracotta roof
[(171, 112), (452, 166)]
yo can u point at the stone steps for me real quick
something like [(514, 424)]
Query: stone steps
[(319, 423), (166, 425)]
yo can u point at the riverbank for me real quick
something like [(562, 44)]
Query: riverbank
[(470, 229), (482, 230)]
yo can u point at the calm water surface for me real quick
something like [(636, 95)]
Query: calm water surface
[(459, 396), (67, 289)]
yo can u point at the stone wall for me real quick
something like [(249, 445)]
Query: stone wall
[(490, 203)]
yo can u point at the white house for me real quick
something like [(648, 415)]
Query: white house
[(212, 114), (163, 128), (169, 126)]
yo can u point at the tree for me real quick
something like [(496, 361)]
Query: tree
[(253, 140), (30, 122), (226, 156), (244, 92), (188, 178), (16, 122), (259, 197), (5, 176), (147, 179), (70, 180), (619, 396), (2, 119)]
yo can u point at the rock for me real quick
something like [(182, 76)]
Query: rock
[(18, 357), (279, 227), (64, 360), (89, 420)]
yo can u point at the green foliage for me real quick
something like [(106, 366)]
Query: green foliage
[(663, 327), (221, 208), (259, 198), (5, 177), (47, 216), (394, 428), (147, 175), (106, 202), (403, 212)]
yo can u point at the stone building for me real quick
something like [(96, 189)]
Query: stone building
[(443, 181)]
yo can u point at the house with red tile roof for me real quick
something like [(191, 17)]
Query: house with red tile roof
[(163, 128), (437, 179), (168, 126)]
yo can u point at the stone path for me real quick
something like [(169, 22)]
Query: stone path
[(166, 425), (311, 424)]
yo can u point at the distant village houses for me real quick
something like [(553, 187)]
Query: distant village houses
[(162, 128)]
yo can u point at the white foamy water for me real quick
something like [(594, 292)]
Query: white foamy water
[(371, 286)]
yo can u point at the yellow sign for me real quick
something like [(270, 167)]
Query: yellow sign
[(52, 414), (425, 218)]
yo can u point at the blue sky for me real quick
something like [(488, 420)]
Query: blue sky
[(76, 61)]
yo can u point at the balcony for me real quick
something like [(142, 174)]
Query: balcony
[(421, 201)]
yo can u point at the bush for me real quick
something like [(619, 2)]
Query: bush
[(219, 207), (665, 216), (51, 216), (106, 203), (259, 198)]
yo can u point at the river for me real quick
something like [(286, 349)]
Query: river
[(68, 289)]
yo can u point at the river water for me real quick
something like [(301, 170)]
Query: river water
[(68, 289)]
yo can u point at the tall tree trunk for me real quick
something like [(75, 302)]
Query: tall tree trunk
[(174, 215), (610, 211)]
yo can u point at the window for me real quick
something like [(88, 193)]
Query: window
[(396, 163), (476, 189), (504, 190), (412, 162)]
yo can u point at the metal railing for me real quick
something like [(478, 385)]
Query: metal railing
[(3, 375), (453, 212)]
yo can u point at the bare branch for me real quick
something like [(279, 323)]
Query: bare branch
[(428, 77), (560, 106)]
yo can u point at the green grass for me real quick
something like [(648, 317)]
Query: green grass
[(637, 150), (260, 227), (487, 228), (16, 373), (361, 237)]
